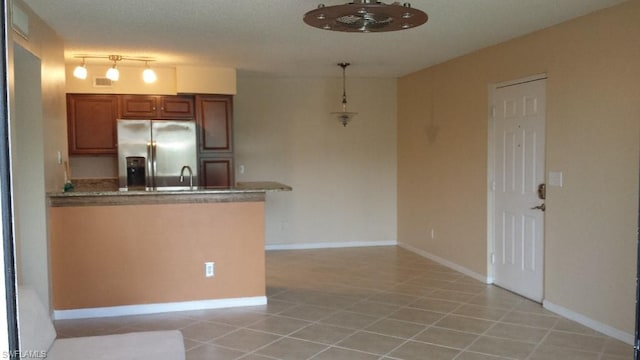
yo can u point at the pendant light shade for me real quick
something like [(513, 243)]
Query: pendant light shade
[(113, 73), (344, 116)]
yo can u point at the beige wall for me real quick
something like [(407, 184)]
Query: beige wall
[(39, 110), (132, 254), (343, 178), (593, 117), (205, 80)]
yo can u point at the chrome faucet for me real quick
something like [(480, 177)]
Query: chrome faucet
[(187, 167)]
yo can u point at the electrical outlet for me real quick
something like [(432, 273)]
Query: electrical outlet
[(209, 269), (433, 234)]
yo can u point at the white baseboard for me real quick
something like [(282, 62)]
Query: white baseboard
[(447, 263), (329, 245), (590, 323), (157, 308)]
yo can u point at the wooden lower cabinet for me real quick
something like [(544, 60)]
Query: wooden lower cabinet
[(216, 172)]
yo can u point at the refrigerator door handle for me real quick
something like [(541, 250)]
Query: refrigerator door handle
[(155, 164), (150, 174)]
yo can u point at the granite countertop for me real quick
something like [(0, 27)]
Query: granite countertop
[(242, 191)]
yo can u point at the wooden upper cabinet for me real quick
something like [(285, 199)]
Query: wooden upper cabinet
[(176, 107), (156, 107), (214, 114), (91, 124), (138, 106)]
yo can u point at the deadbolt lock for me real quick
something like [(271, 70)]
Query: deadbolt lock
[(542, 191)]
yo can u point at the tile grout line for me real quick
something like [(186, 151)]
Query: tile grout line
[(388, 354), (542, 340), (468, 347)]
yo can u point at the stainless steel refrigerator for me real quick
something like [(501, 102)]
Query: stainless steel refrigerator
[(156, 154)]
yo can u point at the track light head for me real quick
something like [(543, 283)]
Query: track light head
[(148, 75), (80, 71)]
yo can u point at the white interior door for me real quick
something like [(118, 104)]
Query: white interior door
[(518, 219)]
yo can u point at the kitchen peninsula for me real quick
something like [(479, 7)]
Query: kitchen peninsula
[(132, 252)]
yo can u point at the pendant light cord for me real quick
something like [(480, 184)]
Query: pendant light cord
[(344, 85)]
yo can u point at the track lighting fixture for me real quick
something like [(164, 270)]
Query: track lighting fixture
[(148, 75)]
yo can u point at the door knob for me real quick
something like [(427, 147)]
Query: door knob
[(539, 207)]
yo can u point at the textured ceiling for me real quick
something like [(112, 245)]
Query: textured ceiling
[(269, 37)]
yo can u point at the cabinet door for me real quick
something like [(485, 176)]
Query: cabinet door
[(91, 124), (157, 107), (214, 117), (176, 107), (138, 106), (216, 172)]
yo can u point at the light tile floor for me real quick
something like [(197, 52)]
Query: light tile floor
[(371, 303)]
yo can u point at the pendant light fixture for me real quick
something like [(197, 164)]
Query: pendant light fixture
[(344, 116), (365, 16)]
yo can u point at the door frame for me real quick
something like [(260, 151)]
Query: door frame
[(491, 166), (636, 340), (8, 290)]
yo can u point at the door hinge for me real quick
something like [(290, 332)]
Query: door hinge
[(493, 111), (493, 258)]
